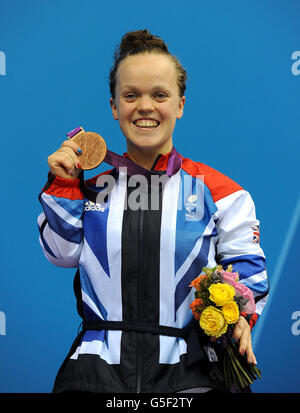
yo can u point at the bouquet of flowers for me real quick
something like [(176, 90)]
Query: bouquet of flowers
[(219, 301)]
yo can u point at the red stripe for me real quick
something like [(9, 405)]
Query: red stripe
[(252, 320), (162, 163), (219, 184), (65, 188)]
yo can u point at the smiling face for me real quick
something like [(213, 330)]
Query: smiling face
[(147, 102)]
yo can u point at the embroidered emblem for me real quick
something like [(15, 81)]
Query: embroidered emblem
[(192, 198), (256, 235), (191, 206)]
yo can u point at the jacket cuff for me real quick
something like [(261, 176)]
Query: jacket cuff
[(251, 318), (62, 187)]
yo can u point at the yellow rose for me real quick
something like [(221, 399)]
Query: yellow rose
[(231, 312), (221, 294), (213, 322)]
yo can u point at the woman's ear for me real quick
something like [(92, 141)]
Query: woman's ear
[(114, 109), (180, 107)]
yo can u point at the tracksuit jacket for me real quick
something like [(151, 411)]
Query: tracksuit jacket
[(135, 265)]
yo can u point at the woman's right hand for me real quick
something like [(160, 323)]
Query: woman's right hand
[(64, 162)]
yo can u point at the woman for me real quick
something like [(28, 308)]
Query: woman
[(135, 265)]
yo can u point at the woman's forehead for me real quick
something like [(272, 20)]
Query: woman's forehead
[(145, 67)]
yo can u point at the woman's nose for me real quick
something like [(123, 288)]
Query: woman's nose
[(145, 104)]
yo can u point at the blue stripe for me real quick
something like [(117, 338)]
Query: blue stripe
[(95, 231), (47, 248), (189, 230), (182, 288), (87, 287), (60, 226), (74, 207), (246, 265), (259, 288), (91, 335)]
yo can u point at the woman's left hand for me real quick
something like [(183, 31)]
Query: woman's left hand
[(242, 334)]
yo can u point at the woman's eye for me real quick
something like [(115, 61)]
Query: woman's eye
[(130, 96), (160, 95)]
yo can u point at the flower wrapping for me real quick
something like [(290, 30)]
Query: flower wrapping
[(220, 300)]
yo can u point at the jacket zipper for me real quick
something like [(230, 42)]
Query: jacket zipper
[(139, 307)]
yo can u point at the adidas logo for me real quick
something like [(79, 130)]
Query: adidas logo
[(91, 206)]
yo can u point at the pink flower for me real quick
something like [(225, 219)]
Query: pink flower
[(229, 277), (245, 292), (241, 289)]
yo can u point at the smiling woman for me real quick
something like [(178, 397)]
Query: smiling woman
[(147, 104), (147, 86), (135, 265)]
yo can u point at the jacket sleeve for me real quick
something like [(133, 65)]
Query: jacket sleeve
[(238, 244), (60, 223)]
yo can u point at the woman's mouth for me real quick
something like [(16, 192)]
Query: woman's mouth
[(146, 123)]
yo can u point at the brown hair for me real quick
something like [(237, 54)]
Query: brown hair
[(138, 42)]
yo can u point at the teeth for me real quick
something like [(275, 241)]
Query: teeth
[(146, 123)]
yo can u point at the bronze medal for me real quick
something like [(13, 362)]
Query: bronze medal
[(93, 149)]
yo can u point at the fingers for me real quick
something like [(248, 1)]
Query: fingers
[(64, 161), (72, 145), (250, 355), (242, 334), (239, 329)]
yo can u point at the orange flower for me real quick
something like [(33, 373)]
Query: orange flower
[(196, 282), (196, 307)]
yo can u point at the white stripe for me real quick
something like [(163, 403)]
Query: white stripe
[(112, 353), (61, 212), (254, 279), (99, 279), (67, 253), (108, 353), (88, 347), (90, 303), (229, 202), (237, 217), (168, 352), (233, 249), (183, 310), (114, 248), (41, 219), (260, 305), (194, 253), (211, 259), (171, 348), (167, 250)]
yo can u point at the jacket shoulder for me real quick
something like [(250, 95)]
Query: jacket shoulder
[(219, 184)]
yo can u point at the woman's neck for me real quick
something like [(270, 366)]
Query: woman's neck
[(147, 157)]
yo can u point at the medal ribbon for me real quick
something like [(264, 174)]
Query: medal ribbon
[(118, 161)]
